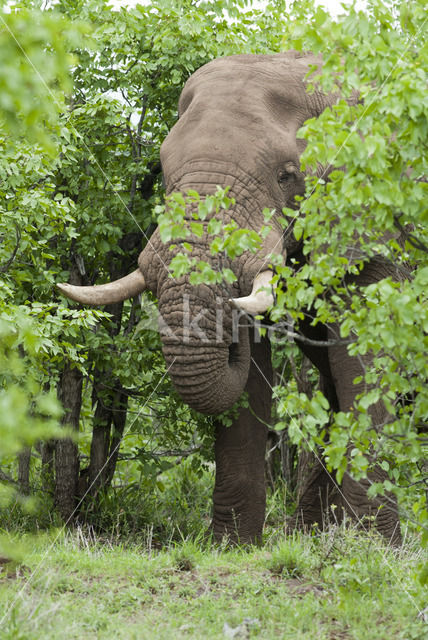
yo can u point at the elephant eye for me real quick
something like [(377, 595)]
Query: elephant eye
[(287, 175)]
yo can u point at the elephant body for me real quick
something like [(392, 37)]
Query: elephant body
[(238, 120)]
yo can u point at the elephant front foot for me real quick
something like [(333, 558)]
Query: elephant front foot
[(239, 522), (380, 514), (321, 501), (231, 528)]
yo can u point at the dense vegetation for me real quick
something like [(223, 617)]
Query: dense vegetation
[(89, 423)]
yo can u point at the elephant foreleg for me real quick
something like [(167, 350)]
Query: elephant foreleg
[(383, 511), (240, 491), (318, 497)]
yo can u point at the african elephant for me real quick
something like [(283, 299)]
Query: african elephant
[(238, 119)]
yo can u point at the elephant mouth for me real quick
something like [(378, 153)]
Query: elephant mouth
[(234, 354)]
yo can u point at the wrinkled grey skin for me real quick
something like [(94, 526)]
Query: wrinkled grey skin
[(238, 119)]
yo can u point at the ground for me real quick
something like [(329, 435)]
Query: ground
[(330, 586)]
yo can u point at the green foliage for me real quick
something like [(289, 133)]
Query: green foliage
[(292, 558), (375, 208), (28, 412), (32, 77), (35, 57), (188, 219), (155, 498), (80, 183)]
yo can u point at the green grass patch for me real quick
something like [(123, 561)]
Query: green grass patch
[(336, 585)]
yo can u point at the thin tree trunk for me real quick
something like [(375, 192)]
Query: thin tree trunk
[(24, 458), (47, 453), (66, 451), (108, 399), (316, 489), (100, 443), (109, 424), (283, 456), (70, 396), (46, 449), (307, 460), (119, 413)]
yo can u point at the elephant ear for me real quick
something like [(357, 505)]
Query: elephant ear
[(260, 299), (109, 293)]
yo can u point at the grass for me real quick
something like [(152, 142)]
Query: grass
[(337, 585)]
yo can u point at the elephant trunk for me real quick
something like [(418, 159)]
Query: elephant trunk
[(206, 352)]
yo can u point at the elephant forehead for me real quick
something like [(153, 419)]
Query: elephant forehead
[(228, 111), (275, 66), (243, 82)]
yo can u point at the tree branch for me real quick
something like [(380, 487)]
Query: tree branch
[(5, 267), (284, 329), (169, 453), (415, 242)]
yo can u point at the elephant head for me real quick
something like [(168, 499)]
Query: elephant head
[(238, 120)]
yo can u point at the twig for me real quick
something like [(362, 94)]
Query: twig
[(171, 453), (283, 327), (415, 242)]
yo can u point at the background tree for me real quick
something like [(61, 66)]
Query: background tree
[(30, 138)]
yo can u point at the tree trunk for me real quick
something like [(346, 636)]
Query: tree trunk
[(109, 401), (47, 453), (66, 451), (119, 413), (316, 489), (100, 443), (283, 459), (109, 424), (24, 458), (307, 460)]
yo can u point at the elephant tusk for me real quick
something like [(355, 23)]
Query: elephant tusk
[(259, 299), (109, 293)]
